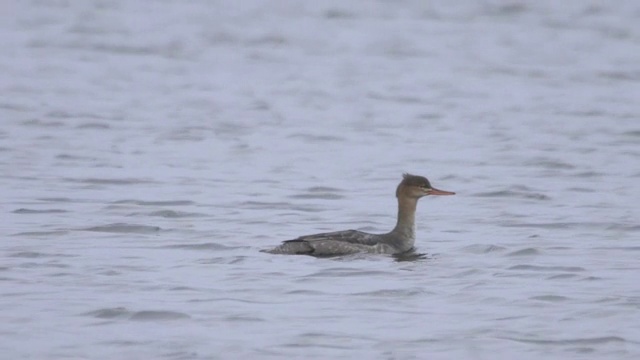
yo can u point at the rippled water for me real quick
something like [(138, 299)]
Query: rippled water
[(149, 149)]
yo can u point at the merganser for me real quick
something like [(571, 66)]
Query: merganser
[(397, 241)]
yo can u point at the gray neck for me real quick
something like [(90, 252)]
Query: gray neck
[(405, 230)]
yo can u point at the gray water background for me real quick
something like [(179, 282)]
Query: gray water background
[(149, 149)]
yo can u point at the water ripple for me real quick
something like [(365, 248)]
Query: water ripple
[(551, 164), (577, 341), (36, 211), (260, 205), (563, 276), (483, 248), (109, 313), (112, 181), (339, 272), (550, 298), (153, 315), (547, 268), (124, 228), (144, 315), (322, 196), (525, 252), (513, 194), (35, 254), (401, 293), (45, 234), (202, 246), (172, 214), (155, 203)]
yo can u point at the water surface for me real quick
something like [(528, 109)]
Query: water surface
[(149, 149)]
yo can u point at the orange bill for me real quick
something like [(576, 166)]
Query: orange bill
[(435, 191)]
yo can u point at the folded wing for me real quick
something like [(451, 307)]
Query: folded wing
[(328, 244)]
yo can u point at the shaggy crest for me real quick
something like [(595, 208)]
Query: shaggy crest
[(413, 180)]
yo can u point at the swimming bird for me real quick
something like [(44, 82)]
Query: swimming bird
[(399, 240)]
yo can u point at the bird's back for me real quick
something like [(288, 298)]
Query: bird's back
[(333, 243)]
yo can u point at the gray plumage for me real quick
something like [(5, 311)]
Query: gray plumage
[(335, 243)]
